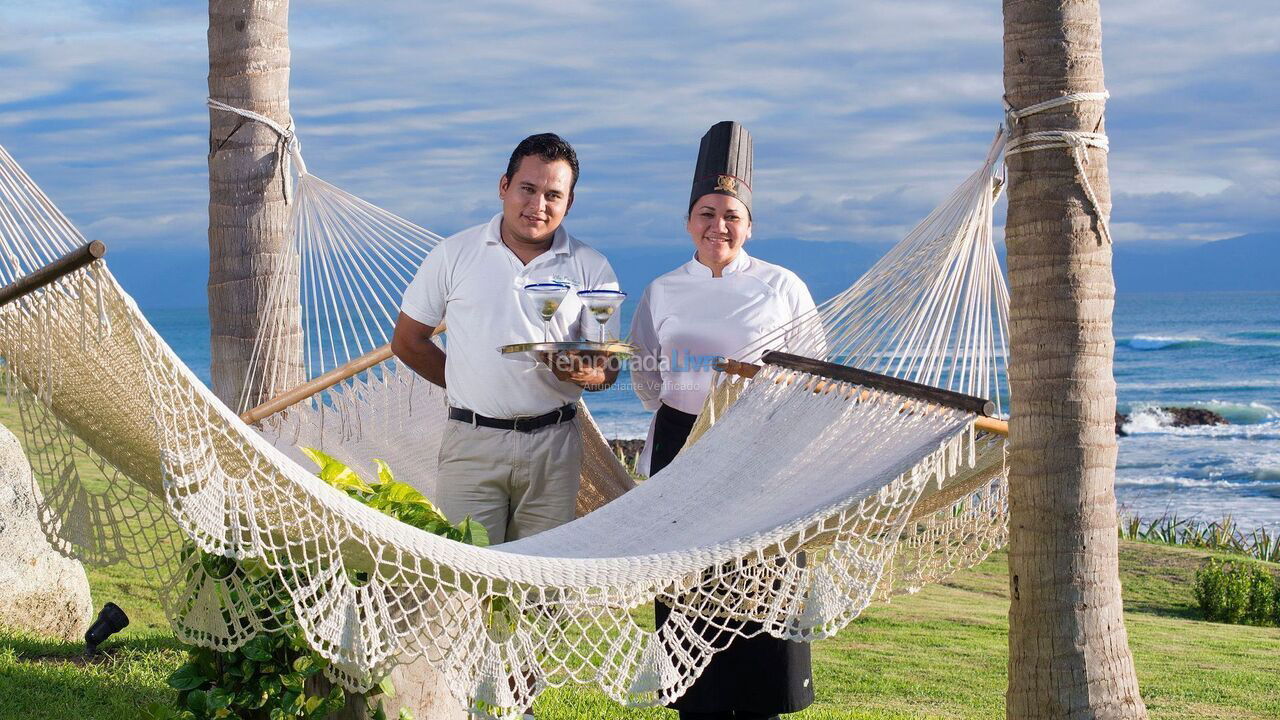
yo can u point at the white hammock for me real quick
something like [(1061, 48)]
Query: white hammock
[(780, 468)]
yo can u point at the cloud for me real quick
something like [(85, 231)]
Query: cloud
[(864, 114)]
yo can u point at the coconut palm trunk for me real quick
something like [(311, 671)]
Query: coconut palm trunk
[(248, 216), (1068, 650), (248, 254)]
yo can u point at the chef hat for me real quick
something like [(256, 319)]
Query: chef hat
[(724, 164)]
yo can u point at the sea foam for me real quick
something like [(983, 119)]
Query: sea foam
[(1161, 342)]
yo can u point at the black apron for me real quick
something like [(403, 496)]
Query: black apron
[(761, 674)]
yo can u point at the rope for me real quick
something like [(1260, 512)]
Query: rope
[(1077, 142), (288, 147)]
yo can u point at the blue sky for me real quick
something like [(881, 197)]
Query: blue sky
[(864, 114)]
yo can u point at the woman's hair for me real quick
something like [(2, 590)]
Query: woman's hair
[(548, 146)]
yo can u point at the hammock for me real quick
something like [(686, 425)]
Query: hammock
[(886, 492)]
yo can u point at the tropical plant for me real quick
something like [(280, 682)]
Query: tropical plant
[(1223, 535), (276, 675), (1238, 592)]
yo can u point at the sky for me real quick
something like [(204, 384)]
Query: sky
[(864, 114)]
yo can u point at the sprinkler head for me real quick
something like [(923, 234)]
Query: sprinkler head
[(110, 620)]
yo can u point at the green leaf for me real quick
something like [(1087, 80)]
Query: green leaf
[(319, 457), (293, 681), (303, 664), (473, 533), (312, 704), (217, 698), (187, 677), (336, 473), (387, 687), (379, 713), (259, 648), (398, 492), (196, 702), (384, 472), (405, 714)]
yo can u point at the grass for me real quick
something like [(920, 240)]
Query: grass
[(938, 654)]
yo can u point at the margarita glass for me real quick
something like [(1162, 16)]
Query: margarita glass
[(602, 304), (546, 299)]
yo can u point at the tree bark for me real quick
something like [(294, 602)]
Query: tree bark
[(1068, 650), (248, 216)]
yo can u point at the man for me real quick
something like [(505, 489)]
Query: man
[(510, 454)]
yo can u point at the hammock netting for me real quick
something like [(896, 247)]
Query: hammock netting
[(139, 462)]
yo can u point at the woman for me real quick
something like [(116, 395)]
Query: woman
[(708, 308)]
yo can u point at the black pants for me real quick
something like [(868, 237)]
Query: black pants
[(754, 678)]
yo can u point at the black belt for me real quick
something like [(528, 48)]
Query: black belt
[(520, 424)]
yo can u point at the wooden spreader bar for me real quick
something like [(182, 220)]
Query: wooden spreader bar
[(865, 378), (64, 265), (320, 383)]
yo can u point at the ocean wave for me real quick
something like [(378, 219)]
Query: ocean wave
[(1175, 481), (1179, 342), (1162, 342), (1204, 385), (1253, 420), (1256, 335)]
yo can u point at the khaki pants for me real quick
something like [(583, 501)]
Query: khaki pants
[(515, 484)]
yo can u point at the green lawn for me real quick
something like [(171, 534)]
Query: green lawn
[(938, 654)]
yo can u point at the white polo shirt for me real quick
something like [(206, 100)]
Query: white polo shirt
[(474, 282), (687, 319)]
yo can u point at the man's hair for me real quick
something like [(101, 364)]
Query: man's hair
[(548, 146)]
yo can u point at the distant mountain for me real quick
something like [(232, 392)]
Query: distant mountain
[(176, 278), (1248, 262)]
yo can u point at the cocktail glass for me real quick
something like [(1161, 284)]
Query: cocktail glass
[(546, 298), (602, 304)]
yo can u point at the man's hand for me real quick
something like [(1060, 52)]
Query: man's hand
[(588, 370)]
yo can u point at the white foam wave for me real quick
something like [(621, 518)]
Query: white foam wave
[(1160, 342), (1173, 481), (1252, 420)]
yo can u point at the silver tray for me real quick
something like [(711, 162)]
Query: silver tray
[(534, 350)]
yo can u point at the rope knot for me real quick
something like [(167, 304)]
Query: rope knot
[(1075, 141), (288, 147)]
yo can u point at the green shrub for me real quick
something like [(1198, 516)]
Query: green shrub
[(267, 677), (1239, 592)]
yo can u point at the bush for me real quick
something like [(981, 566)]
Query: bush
[(1238, 592), (270, 676)]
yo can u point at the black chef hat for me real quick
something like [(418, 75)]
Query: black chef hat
[(724, 164)]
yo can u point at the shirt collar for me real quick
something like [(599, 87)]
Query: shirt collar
[(740, 263), (559, 241)]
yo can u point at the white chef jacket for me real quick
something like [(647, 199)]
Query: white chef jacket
[(687, 319), (475, 283)]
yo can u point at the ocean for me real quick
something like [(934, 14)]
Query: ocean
[(1219, 351)]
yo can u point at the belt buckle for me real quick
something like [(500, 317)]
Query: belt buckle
[(519, 424)]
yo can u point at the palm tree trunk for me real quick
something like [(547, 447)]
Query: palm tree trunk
[(1068, 650), (248, 216)]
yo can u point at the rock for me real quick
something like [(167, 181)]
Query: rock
[(419, 687), (421, 690), (1178, 417), (40, 590), (1188, 416), (628, 448)]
